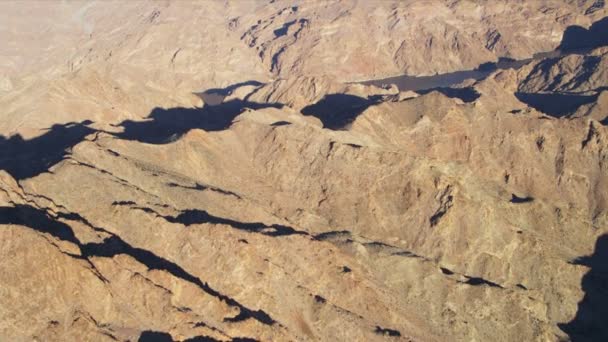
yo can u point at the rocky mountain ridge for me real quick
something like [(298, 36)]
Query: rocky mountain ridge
[(281, 201)]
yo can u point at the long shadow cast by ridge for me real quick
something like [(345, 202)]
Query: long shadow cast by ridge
[(159, 336), (336, 111), (114, 245), (190, 217), (555, 104), (37, 220), (165, 125), (519, 200), (211, 339), (467, 94), (577, 37), (40, 221), (202, 339), (23, 158), (196, 216), (589, 324), (154, 336)]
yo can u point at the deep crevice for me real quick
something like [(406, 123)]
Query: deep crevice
[(195, 216), (280, 123), (518, 200), (190, 217), (590, 135)]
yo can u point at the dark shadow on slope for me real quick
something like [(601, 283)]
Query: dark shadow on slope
[(211, 339), (555, 104), (40, 221), (157, 336), (476, 281), (201, 339), (154, 336), (166, 125), (519, 200), (195, 216), (589, 324), (244, 339), (114, 245), (190, 217), (468, 94), (387, 332), (576, 37), (280, 123), (283, 29), (336, 111), (28, 158)]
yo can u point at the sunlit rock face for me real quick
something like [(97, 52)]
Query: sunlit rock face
[(215, 171)]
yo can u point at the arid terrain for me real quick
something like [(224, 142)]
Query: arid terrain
[(304, 170)]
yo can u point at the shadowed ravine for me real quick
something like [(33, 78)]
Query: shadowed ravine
[(40, 221), (28, 158)]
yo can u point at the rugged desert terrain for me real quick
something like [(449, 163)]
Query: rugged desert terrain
[(304, 170)]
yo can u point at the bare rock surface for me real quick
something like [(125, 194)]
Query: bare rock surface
[(185, 171), (404, 37), (577, 73)]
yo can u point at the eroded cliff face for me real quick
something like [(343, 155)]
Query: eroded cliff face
[(304, 207), (108, 61), (372, 39)]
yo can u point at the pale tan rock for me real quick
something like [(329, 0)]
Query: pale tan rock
[(403, 37), (596, 110), (421, 218)]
